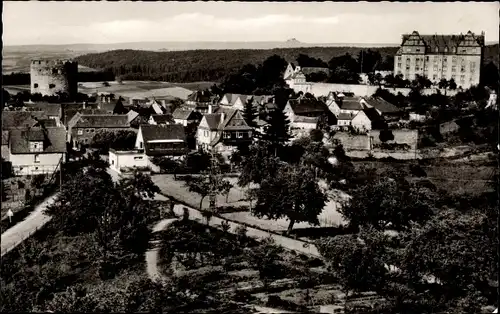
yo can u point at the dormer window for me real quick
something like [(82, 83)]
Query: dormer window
[(436, 49), (36, 146), (445, 49), (454, 49)]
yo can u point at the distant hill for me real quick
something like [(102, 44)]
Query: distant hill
[(201, 65)]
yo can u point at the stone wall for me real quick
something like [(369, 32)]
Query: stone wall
[(49, 77), (322, 89)]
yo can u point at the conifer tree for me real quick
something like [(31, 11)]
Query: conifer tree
[(250, 114)]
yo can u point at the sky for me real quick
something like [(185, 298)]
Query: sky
[(63, 22)]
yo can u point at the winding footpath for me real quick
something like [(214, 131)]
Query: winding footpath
[(16, 234)]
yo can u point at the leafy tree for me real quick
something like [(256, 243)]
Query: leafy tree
[(358, 266), (452, 85), (292, 192), (258, 164), (443, 83), (250, 114), (344, 69), (368, 60), (490, 76), (198, 161), (389, 203), (120, 140), (264, 257), (386, 135), (226, 188), (317, 77), (306, 61), (316, 135)]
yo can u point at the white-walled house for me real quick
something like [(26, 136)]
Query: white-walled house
[(162, 140), (127, 159), (37, 150), (187, 116)]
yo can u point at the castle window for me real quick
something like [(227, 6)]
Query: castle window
[(36, 158), (52, 85), (35, 85)]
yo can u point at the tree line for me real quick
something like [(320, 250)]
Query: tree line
[(24, 78)]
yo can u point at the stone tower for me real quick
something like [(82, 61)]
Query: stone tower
[(50, 77)]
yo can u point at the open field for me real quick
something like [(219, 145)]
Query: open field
[(132, 88)]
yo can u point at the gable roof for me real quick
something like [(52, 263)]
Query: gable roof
[(162, 118), (182, 114), (102, 121), (345, 116), (350, 103), (443, 41), (234, 121), (307, 105), (213, 120), (232, 98), (70, 113), (131, 115), (377, 120), (49, 108), (382, 105), (21, 119), (54, 140), (160, 132)]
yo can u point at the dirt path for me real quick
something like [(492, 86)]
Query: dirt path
[(152, 253), (16, 234)]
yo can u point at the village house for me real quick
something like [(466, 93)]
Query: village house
[(22, 119), (305, 113), (234, 101), (36, 150), (82, 128), (186, 116), (363, 121), (200, 101), (162, 140), (156, 119), (223, 131), (340, 103), (292, 69), (384, 108), (52, 111)]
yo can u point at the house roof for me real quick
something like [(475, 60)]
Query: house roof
[(201, 96), (21, 119), (49, 108), (213, 120), (48, 122), (307, 105), (350, 103), (160, 132), (70, 113), (54, 140), (182, 114), (444, 41), (309, 70), (376, 119), (162, 118), (101, 121), (234, 121), (232, 98), (304, 119), (131, 115), (382, 105), (345, 116)]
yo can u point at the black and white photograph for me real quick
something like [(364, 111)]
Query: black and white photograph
[(250, 157)]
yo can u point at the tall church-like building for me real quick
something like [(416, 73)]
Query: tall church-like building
[(437, 57)]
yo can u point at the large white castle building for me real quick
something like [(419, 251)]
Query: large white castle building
[(437, 57)]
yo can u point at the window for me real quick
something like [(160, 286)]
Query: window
[(227, 135), (417, 50), (205, 133), (140, 145), (35, 85), (138, 158), (453, 69), (37, 158), (80, 132), (407, 60), (434, 77), (427, 58), (462, 69), (239, 134), (36, 146), (399, 58), (464, 50), (52, 85)]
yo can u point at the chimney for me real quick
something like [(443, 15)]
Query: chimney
[(210, 109), (84, 104)]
